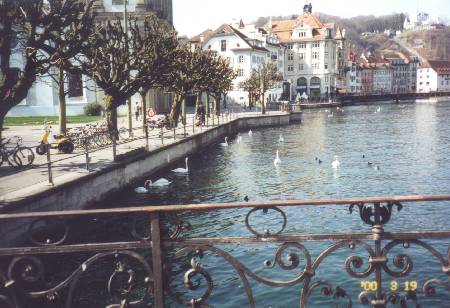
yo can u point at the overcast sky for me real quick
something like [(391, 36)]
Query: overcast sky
[(194, 16)]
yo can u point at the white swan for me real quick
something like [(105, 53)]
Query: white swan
[(143, 190), (182, 170), (160, 183), (379, 109), (281, 139), (225, 144), (335, 164), (277, 159), (250, 133), (331, 115)]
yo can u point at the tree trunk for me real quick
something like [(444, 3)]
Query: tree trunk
[(217, 104), (130, 115), (111, 116), (176, 109), (62, 102), (144, 109), (263, 104), (2, 119), (184, 120), (198, 104), (207, 105)]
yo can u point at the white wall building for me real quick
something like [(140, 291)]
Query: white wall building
[(434, 76), (353, 80), (245, 47), (42, 99), (314, 59)]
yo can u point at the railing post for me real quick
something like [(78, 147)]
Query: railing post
[(193, 124), (158, 285), (114, 144), (184, 128), (86, 148), (146, 138), (162, 134), (49, 166), (174, 130)]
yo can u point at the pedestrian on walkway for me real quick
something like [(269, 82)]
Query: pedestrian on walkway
[(137, 111)]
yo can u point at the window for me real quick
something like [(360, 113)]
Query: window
[(241, 59), (315, 55), (326, 54), (253, 59), (302, 45), (302, 56), (290, 56), (316, 66), (75, 85), (290, 68), (301, 67), (240, 72), (316, 44), (290, 46), (302, 34), (117, 2), (326, 66), (223, 45)]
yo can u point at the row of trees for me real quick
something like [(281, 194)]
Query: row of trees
[(63, 36)]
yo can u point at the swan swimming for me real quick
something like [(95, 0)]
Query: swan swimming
[(250, 133), (182, 170), (143, 190), (225, 144), (160, 183), (281, 139), (335, 164), (277, 159)]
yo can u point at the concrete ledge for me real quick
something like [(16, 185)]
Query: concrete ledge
[(75, 191)]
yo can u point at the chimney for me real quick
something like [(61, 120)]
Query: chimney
[(241, 24)]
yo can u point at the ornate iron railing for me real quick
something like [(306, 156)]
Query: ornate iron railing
[(133, 257)]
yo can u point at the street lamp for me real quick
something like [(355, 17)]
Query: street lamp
[(130, 115)]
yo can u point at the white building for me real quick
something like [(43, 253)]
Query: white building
[(42, 99), (314, 59), (354, 82), (245, 47), (421, 21), (434, 76)]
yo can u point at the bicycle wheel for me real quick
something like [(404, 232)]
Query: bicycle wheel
[(12, 160), (24, 156)]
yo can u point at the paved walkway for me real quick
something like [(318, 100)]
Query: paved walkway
[(15, 184)]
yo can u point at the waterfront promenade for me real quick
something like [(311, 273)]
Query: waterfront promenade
[(19, 185)]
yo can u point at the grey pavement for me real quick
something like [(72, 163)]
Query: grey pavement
[(66, 167)]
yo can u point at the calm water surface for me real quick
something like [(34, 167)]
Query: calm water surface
[(410, 145)]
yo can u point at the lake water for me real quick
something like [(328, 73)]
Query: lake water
[(408, 143)]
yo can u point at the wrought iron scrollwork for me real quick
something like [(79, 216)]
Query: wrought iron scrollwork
[(326, 290), (376, 214), (429, 287), (266, 211)]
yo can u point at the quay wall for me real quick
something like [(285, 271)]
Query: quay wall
[(81, 192)]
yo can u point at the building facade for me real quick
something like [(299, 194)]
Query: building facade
[(434, 76), (314, 58), (382, 78), (42, 99), (245, 47)]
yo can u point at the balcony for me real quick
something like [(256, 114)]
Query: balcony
[(129, 257)]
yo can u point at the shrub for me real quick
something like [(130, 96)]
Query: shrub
[(93, 109)]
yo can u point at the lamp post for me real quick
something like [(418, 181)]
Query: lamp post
[(130, 111)]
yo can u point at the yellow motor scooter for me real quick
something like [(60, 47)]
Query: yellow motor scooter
[(60, 142)]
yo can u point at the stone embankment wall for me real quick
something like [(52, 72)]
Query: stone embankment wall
[(81, 193)]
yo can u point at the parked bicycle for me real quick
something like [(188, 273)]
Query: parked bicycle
[(16, 155)]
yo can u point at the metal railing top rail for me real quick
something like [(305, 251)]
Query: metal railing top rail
[(234, 205)]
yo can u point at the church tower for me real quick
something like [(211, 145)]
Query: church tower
[(307, 8)]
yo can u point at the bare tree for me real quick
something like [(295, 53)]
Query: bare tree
[(250, 85), (261, 80), (120, 71), (33, 28)]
